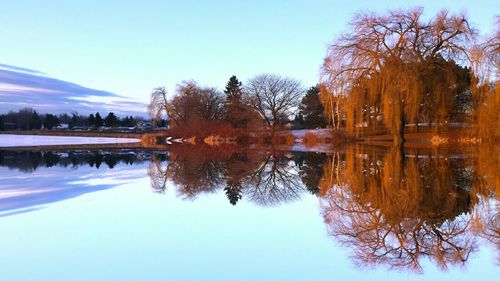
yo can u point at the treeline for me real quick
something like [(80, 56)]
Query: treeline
[(30, 119), (265, 103)]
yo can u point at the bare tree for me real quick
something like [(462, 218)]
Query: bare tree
[(273, 96), (211, 105), (157, 107), (193, 104)]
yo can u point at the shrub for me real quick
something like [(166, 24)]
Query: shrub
[(310, 139)]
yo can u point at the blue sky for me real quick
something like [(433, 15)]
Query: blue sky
[(129, 48)]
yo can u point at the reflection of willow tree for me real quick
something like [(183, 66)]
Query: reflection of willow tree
[(395, 209), (157, 172), (265, 178), (486, 214)]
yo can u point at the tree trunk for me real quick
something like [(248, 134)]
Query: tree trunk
[(273, 125), (331, 111), (273, 131), (338, 115), (399, 134)]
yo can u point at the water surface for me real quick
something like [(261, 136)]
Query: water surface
[(245, 214)]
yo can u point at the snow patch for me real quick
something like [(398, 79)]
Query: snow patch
[(31, 140)]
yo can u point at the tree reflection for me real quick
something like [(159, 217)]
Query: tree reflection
[(29, 161), (275, 181), (311, 171), (157, 172), (394, 208), (266, 178)]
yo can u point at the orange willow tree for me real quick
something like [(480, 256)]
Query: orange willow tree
[(485, 60), (377, 65), (157, 107)]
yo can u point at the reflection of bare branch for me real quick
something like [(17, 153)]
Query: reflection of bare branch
[(276, 181)]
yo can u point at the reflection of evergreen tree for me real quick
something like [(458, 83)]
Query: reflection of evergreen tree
[(36, 159), (312, 171), (111, 161), (96, 160), (298, 158), (51, 159), (233, 193)]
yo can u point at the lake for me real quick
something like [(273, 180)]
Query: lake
[(231, 213)]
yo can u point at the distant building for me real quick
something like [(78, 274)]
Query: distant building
[(143, 125), (63, 126)]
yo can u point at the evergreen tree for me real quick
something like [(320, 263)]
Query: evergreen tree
[(233, 89), (98, 120), (128, 121), (91, 121), (64, 118), (162, 123), (111, 120), (312, 109), (2, 122), (124, 122), (36, 121), (73, 122), (298, 121), (50, 121), (236, 112)]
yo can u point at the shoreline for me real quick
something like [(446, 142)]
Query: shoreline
[(304, 140)]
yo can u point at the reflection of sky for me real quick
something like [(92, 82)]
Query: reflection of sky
[(130, 233), (23, 192)]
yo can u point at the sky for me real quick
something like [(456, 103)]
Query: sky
[(127, 48)]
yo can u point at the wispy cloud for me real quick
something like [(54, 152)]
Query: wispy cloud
[(20, 69), (21, 87)]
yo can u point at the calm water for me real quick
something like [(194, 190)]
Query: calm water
[(362, 213)]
